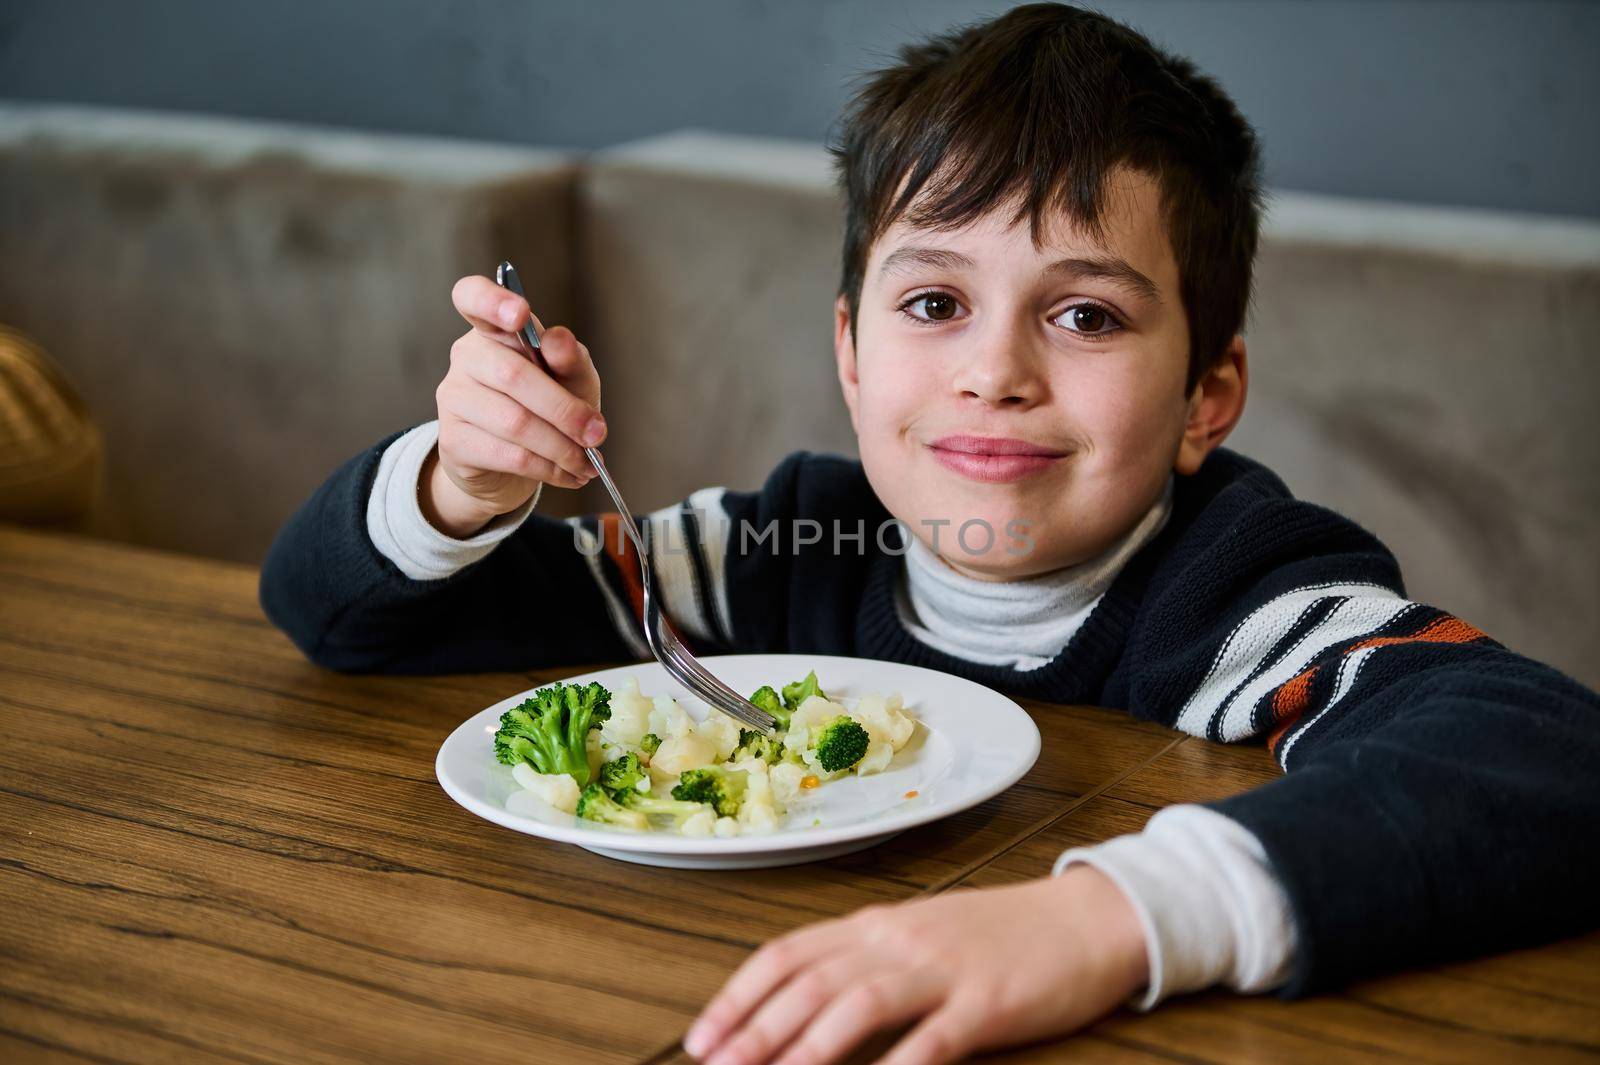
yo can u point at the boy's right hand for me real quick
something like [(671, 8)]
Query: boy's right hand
[(504, 424)]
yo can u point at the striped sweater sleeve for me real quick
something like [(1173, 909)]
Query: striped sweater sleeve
[(1438, 784), (686, 544), (359, 588)]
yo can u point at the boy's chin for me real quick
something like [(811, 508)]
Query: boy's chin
[(1019, 550), (996, 568)]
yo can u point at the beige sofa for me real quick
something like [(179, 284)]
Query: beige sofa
[(244, 305)]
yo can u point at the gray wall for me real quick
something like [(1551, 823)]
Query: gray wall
[(1481, 104)]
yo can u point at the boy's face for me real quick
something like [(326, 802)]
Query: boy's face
[(1035, 392)]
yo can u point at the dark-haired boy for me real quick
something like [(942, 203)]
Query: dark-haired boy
[(1049, 241)]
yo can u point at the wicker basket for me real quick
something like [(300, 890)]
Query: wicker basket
[(50, 448)]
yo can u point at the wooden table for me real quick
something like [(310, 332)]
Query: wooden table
[(212, 851)]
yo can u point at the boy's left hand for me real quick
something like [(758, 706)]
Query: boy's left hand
[(981, 968)]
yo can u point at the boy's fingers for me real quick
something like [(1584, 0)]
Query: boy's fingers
[(754, 980), (474, 447), (947, 1034), (570, 363), (516, 376), (881, 1001), (492, 310), (501, 416), (791, 1008)]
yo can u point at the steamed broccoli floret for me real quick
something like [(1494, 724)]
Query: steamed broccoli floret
[(622, 774), (649, 743), (840, 743), (722, 788), (753, 744), (798, 692), (768, 700), (596, 804), (679, 810), (621, 780), (549, 729)]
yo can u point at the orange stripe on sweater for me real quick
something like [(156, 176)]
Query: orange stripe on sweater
[(619, 548), (1444, 629), (1290, 701)]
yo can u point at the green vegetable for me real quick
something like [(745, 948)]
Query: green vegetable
[(753, 744), (596, 804), (549, 729), (620, 780), (840, 744), (768, 700), (722, 788), (649, 743), (798, 692), (623, 774), (679, 810)]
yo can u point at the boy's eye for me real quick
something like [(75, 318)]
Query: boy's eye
[(936, 307), (1090, 319)]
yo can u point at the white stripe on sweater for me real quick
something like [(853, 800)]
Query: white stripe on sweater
[(1253, 639), (674, 572), (714, 529), (1351, 619)]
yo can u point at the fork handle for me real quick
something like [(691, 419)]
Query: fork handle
[(616, 497), (505, 275)]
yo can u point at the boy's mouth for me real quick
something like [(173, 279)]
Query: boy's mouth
[(995, 459)]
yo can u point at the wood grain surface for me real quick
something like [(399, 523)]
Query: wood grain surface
[(213, 851)]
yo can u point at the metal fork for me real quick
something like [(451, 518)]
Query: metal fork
[(664, 643)]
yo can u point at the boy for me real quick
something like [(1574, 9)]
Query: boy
[(1049, 240)]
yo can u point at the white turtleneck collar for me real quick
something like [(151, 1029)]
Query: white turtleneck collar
[(1023, 623)]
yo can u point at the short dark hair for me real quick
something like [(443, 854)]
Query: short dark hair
[(1041, 103)]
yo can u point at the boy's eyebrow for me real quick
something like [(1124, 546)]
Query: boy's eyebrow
[(1117, 271), (901, 259)]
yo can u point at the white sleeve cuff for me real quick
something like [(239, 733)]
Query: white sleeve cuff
[(399, 531), (1210, 905)]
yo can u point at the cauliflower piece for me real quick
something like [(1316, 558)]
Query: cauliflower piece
[(814, 711), (725, 828), (758, 782), (688, 751), (785, 780), (763, 806), (884, 719), (879, 754), (702, 823), (668, 720), (757, 816), (630, 716), (721, 730), (557, 789)]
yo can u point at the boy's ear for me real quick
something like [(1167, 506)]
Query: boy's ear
[(844, 354), (1215, 407)]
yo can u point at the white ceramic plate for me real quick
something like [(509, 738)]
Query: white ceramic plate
[(971, 744)]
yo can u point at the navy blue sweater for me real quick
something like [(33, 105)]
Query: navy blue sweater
[(1442, 794)]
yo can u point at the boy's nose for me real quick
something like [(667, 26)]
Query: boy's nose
[(1000, 371)]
